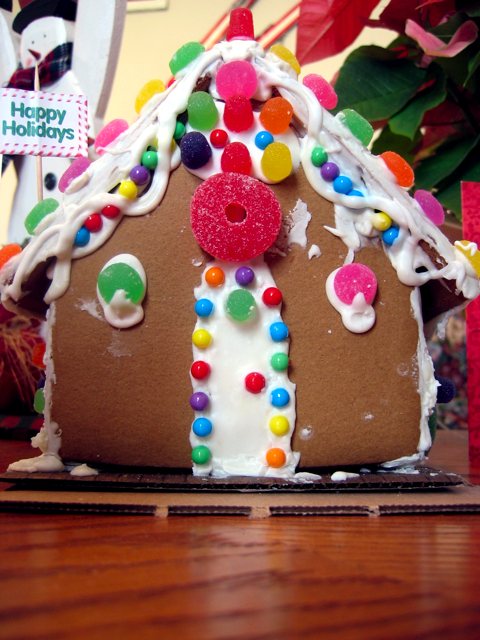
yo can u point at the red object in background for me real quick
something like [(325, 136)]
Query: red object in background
[(471, 231)]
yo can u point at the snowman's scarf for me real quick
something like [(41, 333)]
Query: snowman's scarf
[(53, 66)]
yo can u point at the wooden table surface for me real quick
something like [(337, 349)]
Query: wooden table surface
[(225, 577)]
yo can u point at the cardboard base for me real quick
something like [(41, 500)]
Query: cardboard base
[(373, 494), (254, 505)]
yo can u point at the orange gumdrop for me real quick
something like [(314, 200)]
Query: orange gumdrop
[(7, 252), (276, 115), (276, 457), (400, 168), (215, 277)]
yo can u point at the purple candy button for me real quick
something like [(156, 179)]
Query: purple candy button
[(199, 401)]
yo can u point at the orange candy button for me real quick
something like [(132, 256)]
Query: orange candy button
[(276, 457), (400, 168), (7, 252), (215, 277)]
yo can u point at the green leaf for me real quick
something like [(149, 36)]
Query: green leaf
[(377, 85), (473, 65), (388, 141), (449, 192), (406, 122), (447, 158), (470, 7)]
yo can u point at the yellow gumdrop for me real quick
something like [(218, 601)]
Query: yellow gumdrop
[(287, 56), (471, 252), (279, 425), (381, 221), (128, 189), (148, 90), (201, 338), (277, 162)]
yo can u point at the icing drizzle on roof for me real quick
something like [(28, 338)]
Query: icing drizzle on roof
[(95, 188)]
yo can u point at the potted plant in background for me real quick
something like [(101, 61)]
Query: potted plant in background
[(421, 92)]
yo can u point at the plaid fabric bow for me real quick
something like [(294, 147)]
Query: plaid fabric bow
[(53, 66)]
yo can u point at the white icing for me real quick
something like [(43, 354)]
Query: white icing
[(357, 317), (83, 470), (241, 434), (314, 251), (341, 476)]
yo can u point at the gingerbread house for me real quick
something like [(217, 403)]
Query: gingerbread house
[(237, 284)]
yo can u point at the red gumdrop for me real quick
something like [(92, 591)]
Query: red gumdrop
[(234, 238), (238, 114), (352, 279), (241, 25), (236, 158)]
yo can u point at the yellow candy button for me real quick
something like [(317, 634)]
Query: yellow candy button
[(381, 221), (201, 338)]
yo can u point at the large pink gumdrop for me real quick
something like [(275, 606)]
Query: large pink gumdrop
[(234, 217), (109, 133), (236, 78), (323, 90), (352, 279), (78, 166), (431, 206)]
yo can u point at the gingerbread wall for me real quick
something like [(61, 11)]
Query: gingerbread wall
[(122, 396)]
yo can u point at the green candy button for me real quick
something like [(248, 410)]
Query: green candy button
[(201, 454), (279, 361)]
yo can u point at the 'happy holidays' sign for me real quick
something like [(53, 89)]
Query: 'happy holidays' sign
[(43, 124)]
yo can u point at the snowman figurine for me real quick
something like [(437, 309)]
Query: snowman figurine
[(75, 49)]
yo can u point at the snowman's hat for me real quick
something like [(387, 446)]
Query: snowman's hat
[(32, 10), (6, 4)]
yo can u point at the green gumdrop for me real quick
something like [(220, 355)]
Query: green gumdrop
[(202, 112), (319, 156), (279, 361), (121, 276), (39, 401), (183, 56), (40, 211), (357, 124), (201, 454), (241, 305)]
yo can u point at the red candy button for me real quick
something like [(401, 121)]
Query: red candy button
[(234, 238)]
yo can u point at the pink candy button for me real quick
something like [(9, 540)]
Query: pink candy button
[(78, 166), (352, 279), (431, 206), (109, 133)]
